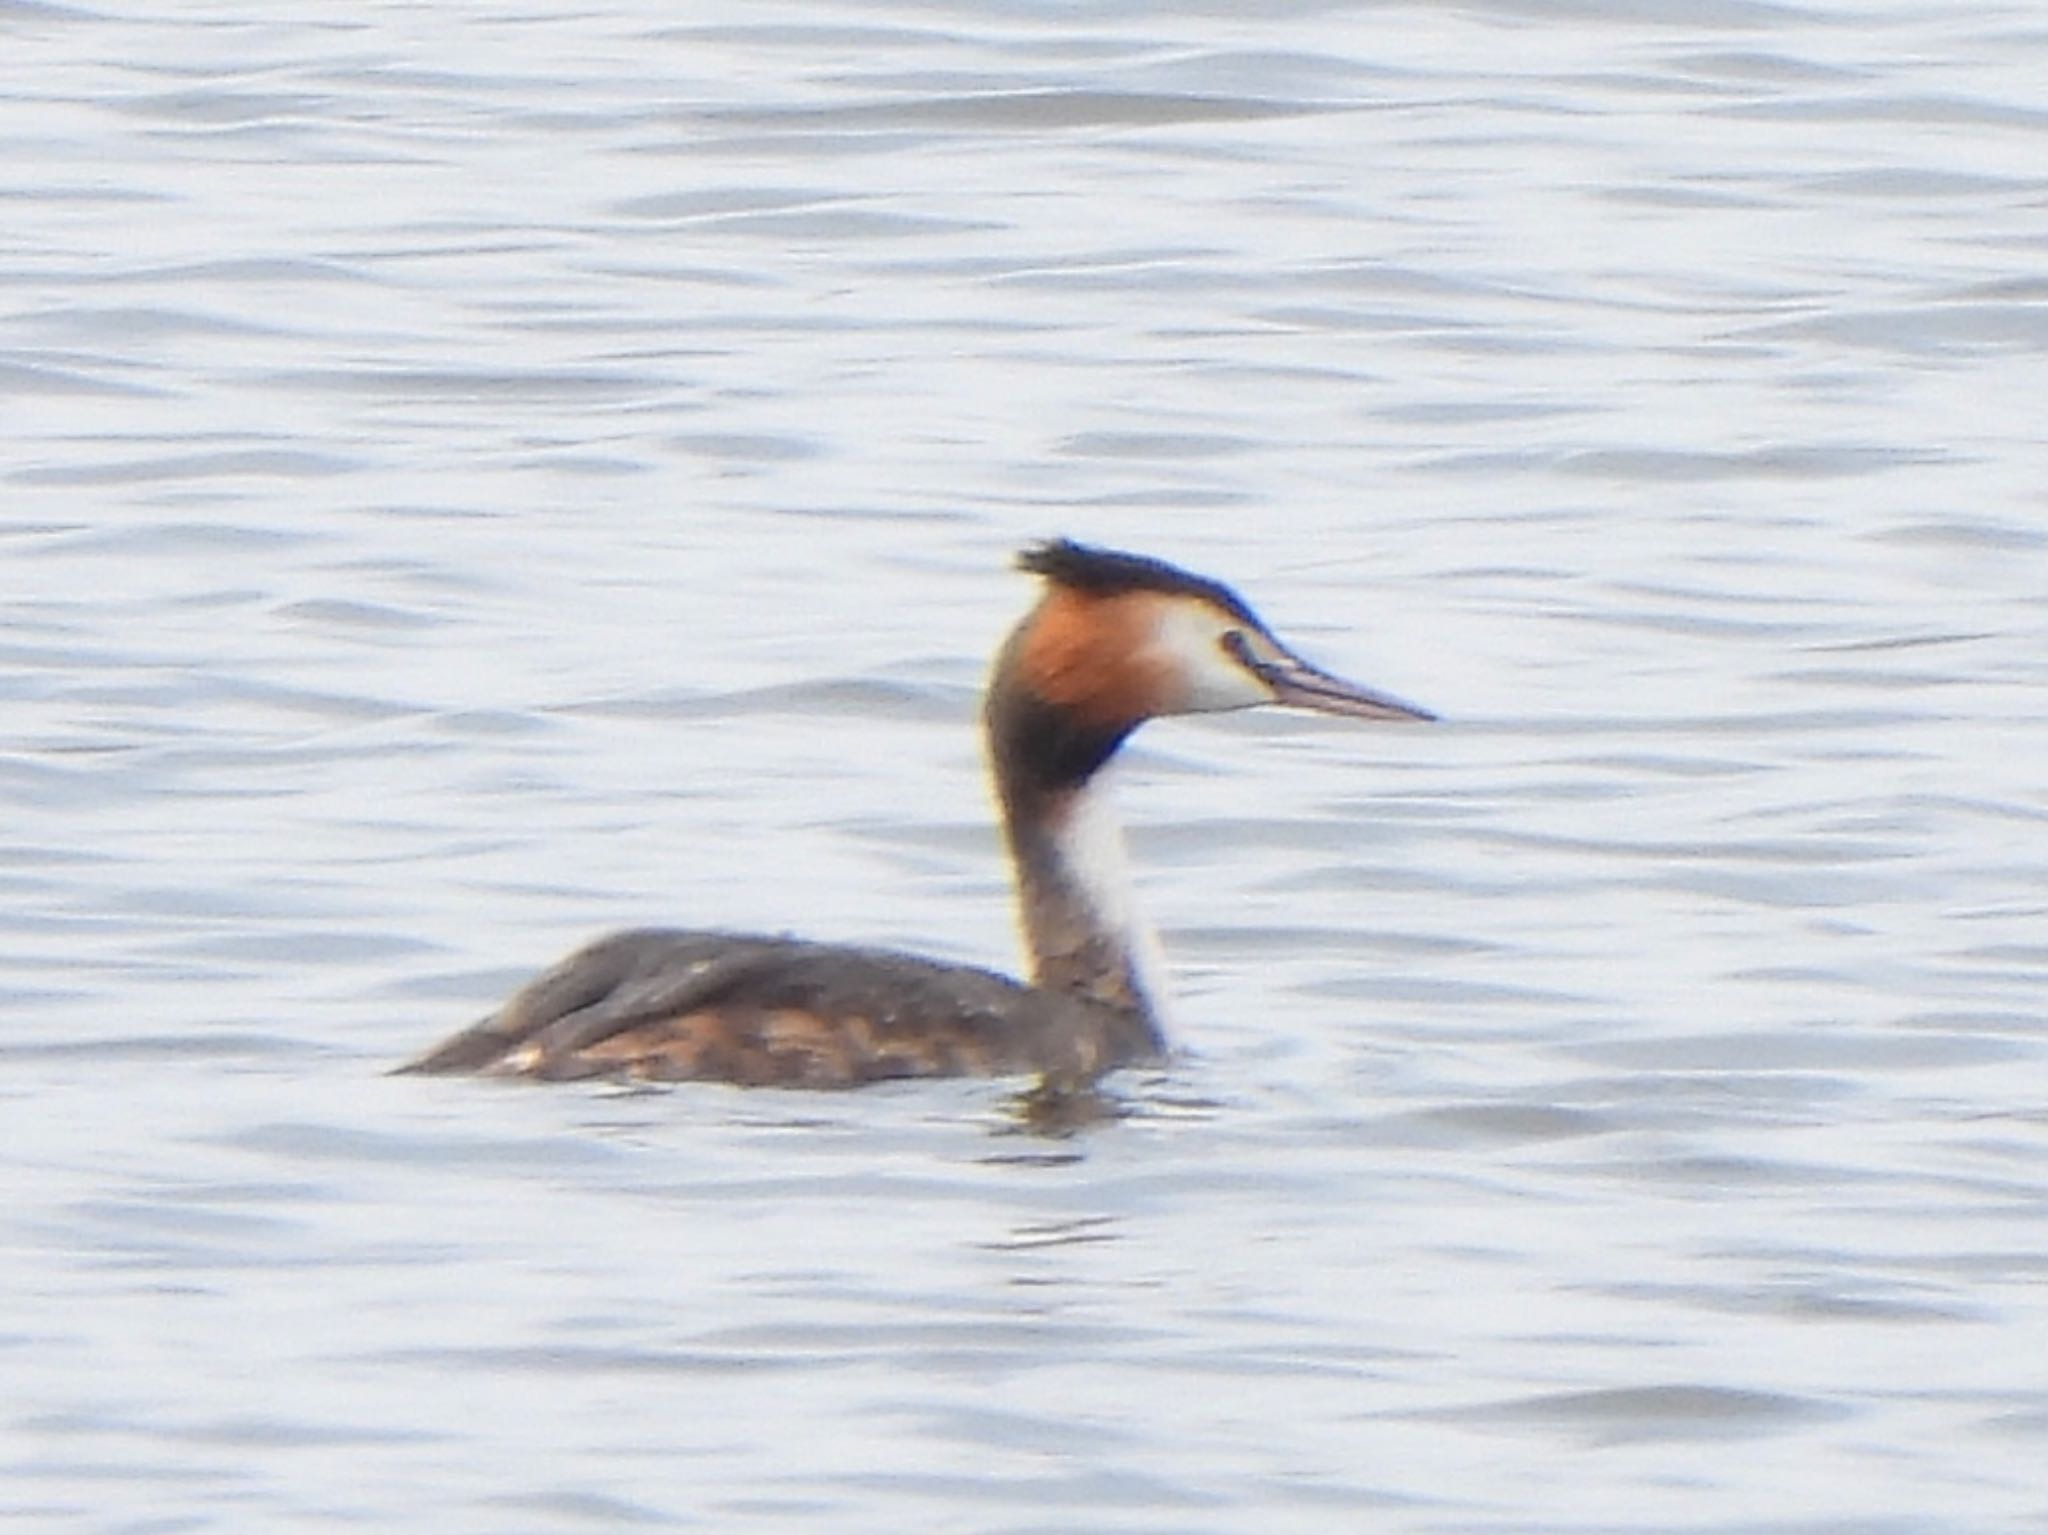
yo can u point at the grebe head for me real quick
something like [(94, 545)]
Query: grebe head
[(1119, 639)]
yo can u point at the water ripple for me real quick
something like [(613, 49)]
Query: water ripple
[(479, 478)]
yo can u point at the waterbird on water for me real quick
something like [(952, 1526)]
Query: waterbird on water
[(1114, 640)]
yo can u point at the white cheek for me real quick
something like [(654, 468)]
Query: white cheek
[(1209, 680)]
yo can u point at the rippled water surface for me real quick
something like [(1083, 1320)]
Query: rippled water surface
[(478, 476)]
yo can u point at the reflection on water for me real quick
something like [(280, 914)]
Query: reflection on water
[(479, 479)]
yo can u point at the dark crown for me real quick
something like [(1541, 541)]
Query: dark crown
[(1111, 573)]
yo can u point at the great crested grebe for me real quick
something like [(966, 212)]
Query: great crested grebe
[(1114, 640)]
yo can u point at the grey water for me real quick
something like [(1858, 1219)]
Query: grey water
[(476, 476)]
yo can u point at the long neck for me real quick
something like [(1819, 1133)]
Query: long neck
[(1074, 900)]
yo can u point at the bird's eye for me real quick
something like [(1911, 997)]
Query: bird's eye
[(1237, 644)]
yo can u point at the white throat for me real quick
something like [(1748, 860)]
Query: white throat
[(1090, 843)]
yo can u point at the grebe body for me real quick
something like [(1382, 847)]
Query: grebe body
[(1114, 640)]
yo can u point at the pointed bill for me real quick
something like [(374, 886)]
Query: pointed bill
[(1299, 685)]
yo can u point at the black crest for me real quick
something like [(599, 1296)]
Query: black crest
[(1111, 572)]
